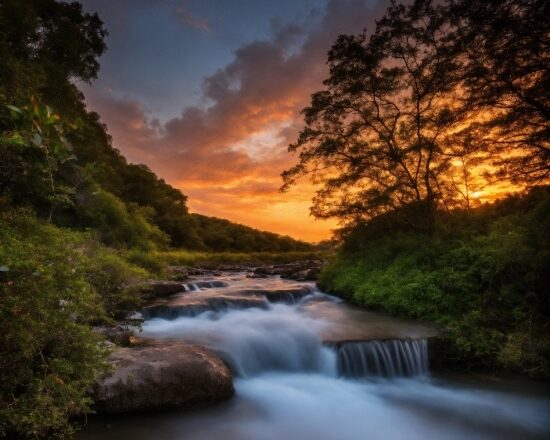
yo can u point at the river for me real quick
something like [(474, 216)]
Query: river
[(308, 366)]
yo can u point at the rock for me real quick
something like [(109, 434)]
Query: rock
[(178, 273), (263, 270), (306, 274), (162, 375), (198, 306), (307, 270), (118, 334), (158, 288)]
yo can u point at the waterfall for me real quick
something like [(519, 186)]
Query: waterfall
[(199, 285), (390, 358)]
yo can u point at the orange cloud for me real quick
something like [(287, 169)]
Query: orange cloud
[(228, 156)]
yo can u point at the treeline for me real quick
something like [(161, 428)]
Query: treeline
[(482, 276), (58, 159)]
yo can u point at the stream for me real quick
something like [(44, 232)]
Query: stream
[(309, 366)]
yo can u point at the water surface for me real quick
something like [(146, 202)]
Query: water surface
[(290, 384)]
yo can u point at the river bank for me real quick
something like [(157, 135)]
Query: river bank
[(292, 380)]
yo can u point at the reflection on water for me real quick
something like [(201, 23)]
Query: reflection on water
[(288, 387)]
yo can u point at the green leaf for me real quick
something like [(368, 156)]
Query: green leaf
[(36, 139), (14, 108)]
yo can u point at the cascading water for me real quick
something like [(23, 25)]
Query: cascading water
[(255, 340), (290, 384), (393, 358)]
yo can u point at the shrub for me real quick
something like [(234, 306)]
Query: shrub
[(483, 277), (49, 356)]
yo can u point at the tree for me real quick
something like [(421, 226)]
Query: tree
[(503, 49), (43, 44), (36, 156), (377, 137), (439, 99)]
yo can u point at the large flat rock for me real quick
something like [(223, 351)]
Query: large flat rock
[(161, 375), (346, 323)]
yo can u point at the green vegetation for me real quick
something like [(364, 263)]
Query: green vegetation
[(482, 276), (79, 226), (440, 101), (48, 354), (213, 259)]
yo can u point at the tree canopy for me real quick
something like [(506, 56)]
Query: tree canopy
[(439, 101)]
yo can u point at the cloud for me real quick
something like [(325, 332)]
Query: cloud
[(185, 17), (228, 155)]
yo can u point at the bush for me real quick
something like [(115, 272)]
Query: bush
[(483, 277), (112, 277), (49, 356), (119, 224)]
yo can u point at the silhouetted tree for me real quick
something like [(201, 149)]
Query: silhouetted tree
[(376, 137), (503, 49), (438, 99)]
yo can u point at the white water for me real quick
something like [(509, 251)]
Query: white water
[(289, 386), (254, 340)]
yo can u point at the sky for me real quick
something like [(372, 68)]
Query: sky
[(208, 94)]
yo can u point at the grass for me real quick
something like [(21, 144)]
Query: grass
[(214, 259)]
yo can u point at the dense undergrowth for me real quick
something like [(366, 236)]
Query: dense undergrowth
[(483, 276)]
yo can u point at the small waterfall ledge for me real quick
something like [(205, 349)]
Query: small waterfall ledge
[(382, 358)]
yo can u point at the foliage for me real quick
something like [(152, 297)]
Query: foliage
[(214, 259), (118, 223), (74, 176), (111, 276), (504, 50), (483, 277), (36, 155), (48, 355), (377, 136), (220, 235), (440, 99)]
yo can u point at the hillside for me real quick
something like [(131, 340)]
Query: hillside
[(58, 158)]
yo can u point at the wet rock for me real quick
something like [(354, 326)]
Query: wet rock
[(159, 288), (163, 375), (117, 334), (196, 307), (307, 270), (178, 273)]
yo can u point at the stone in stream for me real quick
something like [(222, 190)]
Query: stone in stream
[(307, 270), (159, 288), (195, 307), (163, 375)]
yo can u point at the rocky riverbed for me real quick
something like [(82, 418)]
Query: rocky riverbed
[(283, 360)]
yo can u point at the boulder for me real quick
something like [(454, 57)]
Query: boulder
[(162, 375)]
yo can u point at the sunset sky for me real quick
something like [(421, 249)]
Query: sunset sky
[(208, 94)]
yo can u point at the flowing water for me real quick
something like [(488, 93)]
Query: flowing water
[(308, 366)]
